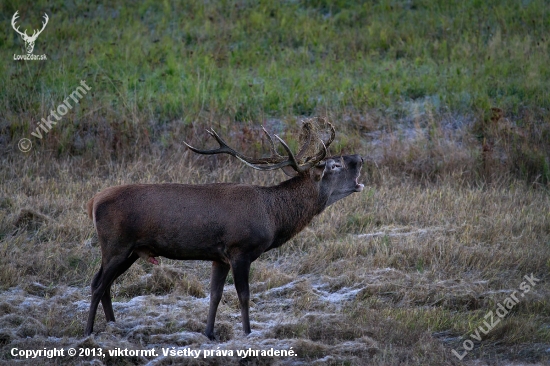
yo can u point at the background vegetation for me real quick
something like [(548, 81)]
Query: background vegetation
[(448, 101), (159, 67)]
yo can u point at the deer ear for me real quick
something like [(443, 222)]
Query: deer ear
[(319, 171)]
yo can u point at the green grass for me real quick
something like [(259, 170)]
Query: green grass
[(158, 70), (251, 59)]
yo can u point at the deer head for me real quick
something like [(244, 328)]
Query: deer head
[(29, 40)]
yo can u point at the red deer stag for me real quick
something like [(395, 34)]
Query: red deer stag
[(228, 224)]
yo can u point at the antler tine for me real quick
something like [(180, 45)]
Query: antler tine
[(305, 146), (312, 161), (274, 153), (13, 20), (43, 24), (223, 145), (274, 158), (332, 135), (315, 160), (224, 148), (291, 157)]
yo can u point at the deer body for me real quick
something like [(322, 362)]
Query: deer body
[(228, 224), (173, 226)]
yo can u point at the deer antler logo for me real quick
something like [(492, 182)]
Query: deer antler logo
[(29, 40)]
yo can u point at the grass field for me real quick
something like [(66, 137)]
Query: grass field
[(447, 101)]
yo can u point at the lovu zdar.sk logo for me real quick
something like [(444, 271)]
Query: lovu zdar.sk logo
[(29, 40)]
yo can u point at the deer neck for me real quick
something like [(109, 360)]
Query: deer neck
[(292, 205)]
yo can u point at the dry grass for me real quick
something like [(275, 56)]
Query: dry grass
[(394, 275), (447, 101)]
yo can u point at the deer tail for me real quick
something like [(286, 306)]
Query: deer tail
[(90, 207)]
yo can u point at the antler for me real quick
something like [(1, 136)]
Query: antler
[(34, 36), (309, 136), (24, 34), (275, 161), (13, 19)]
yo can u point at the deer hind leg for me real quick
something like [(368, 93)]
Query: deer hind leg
[(101, 287), (106, 298), (240, 270), (96, 281), (217, 281)]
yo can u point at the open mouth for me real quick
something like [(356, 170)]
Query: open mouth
[(358, 186)]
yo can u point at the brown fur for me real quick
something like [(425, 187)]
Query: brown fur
[(228, 224)]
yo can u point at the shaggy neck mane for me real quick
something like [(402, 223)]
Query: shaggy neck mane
[(288, 217)]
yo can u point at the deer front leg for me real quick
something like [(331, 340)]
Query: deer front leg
[(217, 281), (240, 270)]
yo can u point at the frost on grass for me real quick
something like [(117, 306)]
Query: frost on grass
[(34, 317), (399, 275)]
